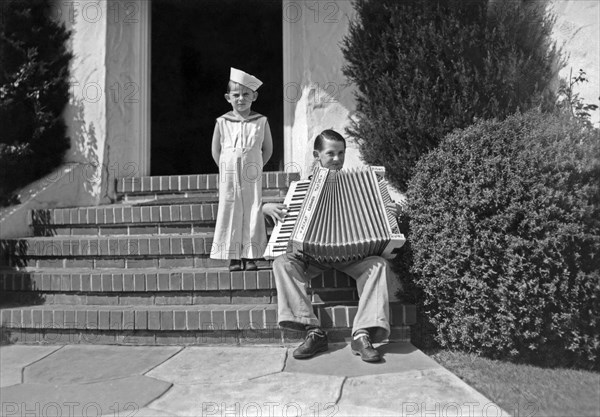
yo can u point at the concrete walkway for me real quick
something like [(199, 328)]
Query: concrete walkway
[(102, 380)]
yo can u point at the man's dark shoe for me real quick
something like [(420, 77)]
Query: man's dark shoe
[(363, 347), (315, 342)]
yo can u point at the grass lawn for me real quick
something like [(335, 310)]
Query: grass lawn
[(524, 390)]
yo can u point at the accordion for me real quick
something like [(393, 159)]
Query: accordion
[(337, 216)]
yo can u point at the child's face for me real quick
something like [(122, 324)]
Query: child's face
[(240, 97), (332, 155)]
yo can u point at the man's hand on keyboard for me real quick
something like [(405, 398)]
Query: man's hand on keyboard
[(275, 211)]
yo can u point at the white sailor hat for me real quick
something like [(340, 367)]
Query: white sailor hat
[(246, 79)]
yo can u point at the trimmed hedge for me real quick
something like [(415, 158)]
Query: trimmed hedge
[(505, 233)]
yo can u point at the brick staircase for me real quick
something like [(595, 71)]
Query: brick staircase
[(138, 272)]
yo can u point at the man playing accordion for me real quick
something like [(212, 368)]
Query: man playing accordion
[(292, 274)]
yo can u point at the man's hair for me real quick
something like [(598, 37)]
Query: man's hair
[(328, 134)]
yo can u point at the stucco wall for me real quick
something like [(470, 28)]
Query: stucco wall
[(109, 105), (577, 31), (86, 113), (317, 95), (127, 150)]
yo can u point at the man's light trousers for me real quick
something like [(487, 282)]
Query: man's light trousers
[(292, 276)]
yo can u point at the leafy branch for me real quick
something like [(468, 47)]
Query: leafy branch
[(570, 100)]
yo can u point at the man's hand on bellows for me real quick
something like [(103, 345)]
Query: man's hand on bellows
[(275, 211), (397, 207)]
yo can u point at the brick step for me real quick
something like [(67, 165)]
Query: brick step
[(124, 298), (150, 199), (126, 220), (184, 279), (168, 287), (108, 247), (96, 252), (102, 263), (139, 245), (179, 228), (270, 336), (21, 252), (140, 317), (196, 324), (192, 197), (204, 198), (325, 296), (120, 219), (180, 184)]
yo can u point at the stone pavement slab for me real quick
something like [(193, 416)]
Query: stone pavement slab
[(114, 397), (152, 381), (14, 358), (147, 412), (360, 411), (199, 365), (89, 363), (284, 393), (339, 361), (435, 392)]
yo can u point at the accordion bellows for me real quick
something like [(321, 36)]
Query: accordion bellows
[(338, 216)]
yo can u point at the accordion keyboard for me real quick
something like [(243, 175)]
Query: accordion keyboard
[(283, 230)]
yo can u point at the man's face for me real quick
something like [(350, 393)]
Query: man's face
[(332, 155)]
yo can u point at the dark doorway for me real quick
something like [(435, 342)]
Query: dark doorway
[(194, 43)]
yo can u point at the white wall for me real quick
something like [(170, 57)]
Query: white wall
[(127, 150), (577, 31), (108, 114), (317, 95), (85, 114)]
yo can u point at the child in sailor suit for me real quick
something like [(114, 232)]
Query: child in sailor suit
[(241, 146)]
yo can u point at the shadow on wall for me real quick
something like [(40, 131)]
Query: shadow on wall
[(84, 148)]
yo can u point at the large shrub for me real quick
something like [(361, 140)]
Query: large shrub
[(424, 67), (34, 90), (505, 230)]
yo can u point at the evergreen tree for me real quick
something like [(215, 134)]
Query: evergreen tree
[(34, 90), (425, 67)]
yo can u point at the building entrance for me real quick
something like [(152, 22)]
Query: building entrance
[(193, 45)]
